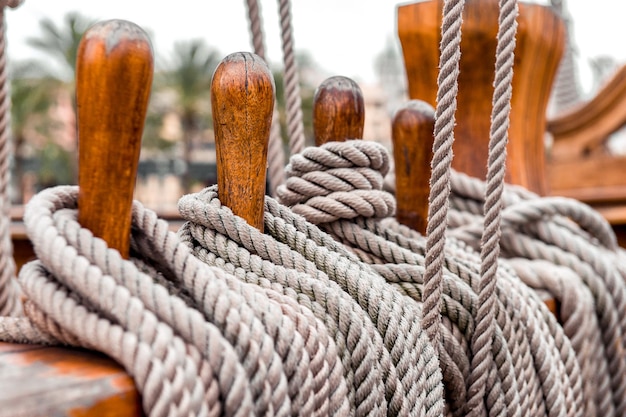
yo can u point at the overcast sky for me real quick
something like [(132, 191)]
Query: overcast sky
[(342, 36)]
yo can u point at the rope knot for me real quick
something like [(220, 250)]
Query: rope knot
[(338, 180)]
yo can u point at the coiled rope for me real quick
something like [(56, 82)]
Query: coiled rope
[(531, 354), (376, 326), (242, 335), (378, 242), (197, 340)]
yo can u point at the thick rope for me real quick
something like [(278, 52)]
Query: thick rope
[(447, 82), (9, 295), (330, 281), (275, 152), (533, 364), (293, 322), (590, 252), (481, 344), (196, 340)]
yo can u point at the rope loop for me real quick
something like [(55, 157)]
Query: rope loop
[(196, 339), (378, 328), (338, 180)]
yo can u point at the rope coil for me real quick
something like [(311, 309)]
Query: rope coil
[(355, 314), (214, 344), (533, 347), (300, 257)]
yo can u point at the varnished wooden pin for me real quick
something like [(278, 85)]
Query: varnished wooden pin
[(242, 99), (338, 111), (114, 71), (412, 134)]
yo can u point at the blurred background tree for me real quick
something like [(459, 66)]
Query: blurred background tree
[(43, 108), (178, 133), (188, 74)]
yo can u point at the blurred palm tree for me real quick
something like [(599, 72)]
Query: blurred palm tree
[(32, 96), (188, 74), (36, 88), (61, 42)]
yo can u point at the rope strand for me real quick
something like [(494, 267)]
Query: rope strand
[(447, 88), (275, 152)]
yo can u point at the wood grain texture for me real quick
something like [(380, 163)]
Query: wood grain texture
[(48, 381), (412, 135), (242, 98), (338, 111), (594, 179), (113, 80), (540, 43)]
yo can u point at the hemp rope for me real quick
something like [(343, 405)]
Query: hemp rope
[(196, 340), (304, 249), (275, 152), (293, 101), (293, 105), (539, 354), (9, 293), (310, 266), (592, 254), (490, 248), (440, 185)]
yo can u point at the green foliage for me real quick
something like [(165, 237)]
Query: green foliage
[(56, 166), (180, 95), (31, 94), (188, 74), (61, 42), (35, 88)]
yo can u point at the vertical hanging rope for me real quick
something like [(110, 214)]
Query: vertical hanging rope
[(295, 125), (9, 302), (275, 152), (256, 27), (482, 339), (447, 82)]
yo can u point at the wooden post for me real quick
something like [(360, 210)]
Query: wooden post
[(540, 42), (113, 80), (242, 98), (338, 111), (412, 136), (114, 70)]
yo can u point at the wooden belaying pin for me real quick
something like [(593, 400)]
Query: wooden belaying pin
[(338, 111), (114, 70), (412, 135), (242, 100)]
